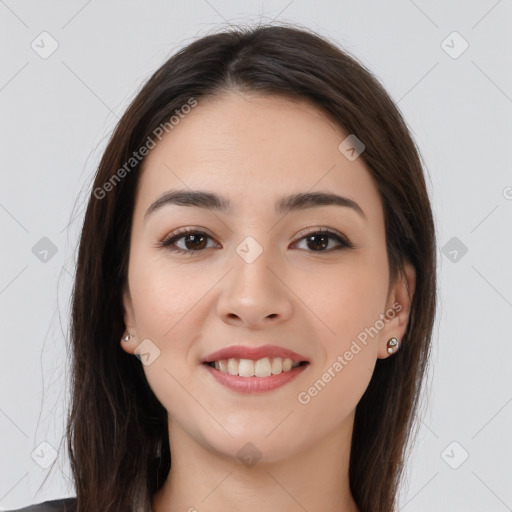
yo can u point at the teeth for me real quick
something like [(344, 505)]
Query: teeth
[(246, 368), (233, 366), (260, 368), (277, 365)]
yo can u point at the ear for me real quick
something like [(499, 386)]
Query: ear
[(129, 321), (398, 307)]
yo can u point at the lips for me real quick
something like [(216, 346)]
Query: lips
[(253, 353), (254, 385)]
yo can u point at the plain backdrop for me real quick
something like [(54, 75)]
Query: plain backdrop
[(69, 69)]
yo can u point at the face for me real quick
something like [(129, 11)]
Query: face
[(311, 279)]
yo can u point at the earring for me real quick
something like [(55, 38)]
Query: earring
[(392, 345), (127, 337)]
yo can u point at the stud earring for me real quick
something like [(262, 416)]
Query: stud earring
[(392, 345), (127, 337)]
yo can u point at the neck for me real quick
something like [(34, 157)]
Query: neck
[(202, 479)]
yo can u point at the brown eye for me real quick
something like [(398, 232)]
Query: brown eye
[(318, 241), (194, 241)]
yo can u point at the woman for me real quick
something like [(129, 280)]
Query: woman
[(255, 288)]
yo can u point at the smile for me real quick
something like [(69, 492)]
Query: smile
[(250, 383), (264, 367)]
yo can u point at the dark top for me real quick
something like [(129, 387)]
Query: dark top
[(63, 505)]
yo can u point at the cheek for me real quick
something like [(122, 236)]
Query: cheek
[(162, 295), (333, 393), (347, 300), (166, 308), (350, 308), (167, 313), (352, 304)]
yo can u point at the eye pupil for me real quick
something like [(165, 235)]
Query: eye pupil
[(324, 238), (196, 241)]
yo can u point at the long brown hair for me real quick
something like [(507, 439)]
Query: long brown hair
[(117, 429)]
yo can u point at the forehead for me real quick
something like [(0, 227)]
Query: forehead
[(255, 148)]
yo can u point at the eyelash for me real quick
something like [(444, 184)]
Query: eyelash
[(169, 242)]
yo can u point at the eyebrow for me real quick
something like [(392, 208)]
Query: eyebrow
[(213, 201)]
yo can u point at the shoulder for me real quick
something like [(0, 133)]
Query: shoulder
[(63, 505)]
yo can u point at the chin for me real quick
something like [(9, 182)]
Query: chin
[(257, 447)]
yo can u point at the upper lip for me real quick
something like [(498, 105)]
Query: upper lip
[(254, 353)]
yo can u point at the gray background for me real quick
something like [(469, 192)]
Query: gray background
[(57, 113)]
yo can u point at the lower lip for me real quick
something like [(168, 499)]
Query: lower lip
[(255, 384)]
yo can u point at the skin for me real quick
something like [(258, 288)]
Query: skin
[(255, 149)]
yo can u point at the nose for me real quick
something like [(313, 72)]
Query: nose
[(255, 295)]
